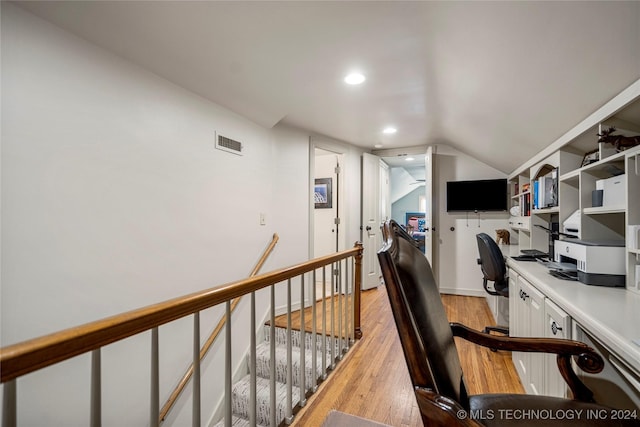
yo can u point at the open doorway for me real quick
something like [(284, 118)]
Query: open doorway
[(327, 195), (411, 192), (407, 193), (326, 201), (377, 205)]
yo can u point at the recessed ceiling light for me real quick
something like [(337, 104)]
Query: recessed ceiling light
[(389, 130), (354, 79), (409, 159), (377, 146)]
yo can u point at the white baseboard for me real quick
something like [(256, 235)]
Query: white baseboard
[(463, 292)]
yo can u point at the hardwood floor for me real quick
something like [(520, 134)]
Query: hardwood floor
[(372, 380)]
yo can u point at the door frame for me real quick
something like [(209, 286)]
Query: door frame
[(315, 142), (430, 152)]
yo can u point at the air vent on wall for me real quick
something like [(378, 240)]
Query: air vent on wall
[(227, 144)]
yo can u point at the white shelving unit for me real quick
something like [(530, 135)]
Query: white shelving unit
[(576, 182), (537, 300)]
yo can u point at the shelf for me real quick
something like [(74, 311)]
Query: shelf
[(524, 193), (599, 168), (634, 251), (554, 209), (522, 223), (573, 175), (603, 210)]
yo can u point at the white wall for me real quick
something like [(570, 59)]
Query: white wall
[(409, 203), (457, 269), (113, 198)]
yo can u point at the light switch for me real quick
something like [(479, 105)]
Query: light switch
[(263, 220)]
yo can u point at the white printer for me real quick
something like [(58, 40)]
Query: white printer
[(572, 224), (600, 263)]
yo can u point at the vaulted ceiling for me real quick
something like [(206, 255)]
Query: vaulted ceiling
[(496, 80)]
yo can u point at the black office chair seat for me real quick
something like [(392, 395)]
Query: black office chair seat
[(494, 269)]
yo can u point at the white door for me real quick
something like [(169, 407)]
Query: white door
[(371, 234), (325, 217), (429, 228)]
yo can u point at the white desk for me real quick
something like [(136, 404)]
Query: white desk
[(612, 315)]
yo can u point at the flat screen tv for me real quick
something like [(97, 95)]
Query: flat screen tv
[(477, 196)]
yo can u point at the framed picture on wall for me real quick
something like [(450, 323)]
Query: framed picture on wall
[(322, 194)]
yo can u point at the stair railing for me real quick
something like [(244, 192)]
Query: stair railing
[(346, 272), (212, 337)]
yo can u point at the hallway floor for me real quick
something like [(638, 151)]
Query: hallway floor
[(373, 382)]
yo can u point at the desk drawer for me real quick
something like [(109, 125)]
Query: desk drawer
[(520, 222)]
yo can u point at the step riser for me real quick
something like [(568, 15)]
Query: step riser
[(281, 339), (263, 365), (241, 404), (241, 389)]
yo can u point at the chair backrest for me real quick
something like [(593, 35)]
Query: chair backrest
[(425, 333), (491, 259)]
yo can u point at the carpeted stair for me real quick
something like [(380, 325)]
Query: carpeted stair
[(241, 389)]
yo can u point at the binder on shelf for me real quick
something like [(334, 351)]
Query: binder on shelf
[(545, 190), (542, 202), (551, 189)]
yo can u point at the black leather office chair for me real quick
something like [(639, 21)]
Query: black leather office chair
[(429, 349), (494, 269)]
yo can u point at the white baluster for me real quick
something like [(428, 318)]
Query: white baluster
[(340, 314), (289, 407), (227, 369), (9, 404), (272, 354), (314, 336), (303, 345), (155, 379), (195, 418), (333, 316), (252, 384), (324, 322), (96, 390)]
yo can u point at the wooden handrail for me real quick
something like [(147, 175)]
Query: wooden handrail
[(29, 356), (212, 337)]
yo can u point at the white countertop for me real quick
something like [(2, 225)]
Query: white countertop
[(612, 315)]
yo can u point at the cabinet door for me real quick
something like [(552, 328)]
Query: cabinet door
[(558, 325), (513, 303), (534, 300), (517, 321)]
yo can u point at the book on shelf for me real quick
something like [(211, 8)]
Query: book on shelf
[(545, 190), (524, 203)]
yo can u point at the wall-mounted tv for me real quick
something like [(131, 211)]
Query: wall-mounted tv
[(482, 195)]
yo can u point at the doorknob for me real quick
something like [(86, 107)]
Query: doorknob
[(368, 228)]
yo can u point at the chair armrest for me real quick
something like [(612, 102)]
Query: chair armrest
[(585, 357), (438, 410)]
